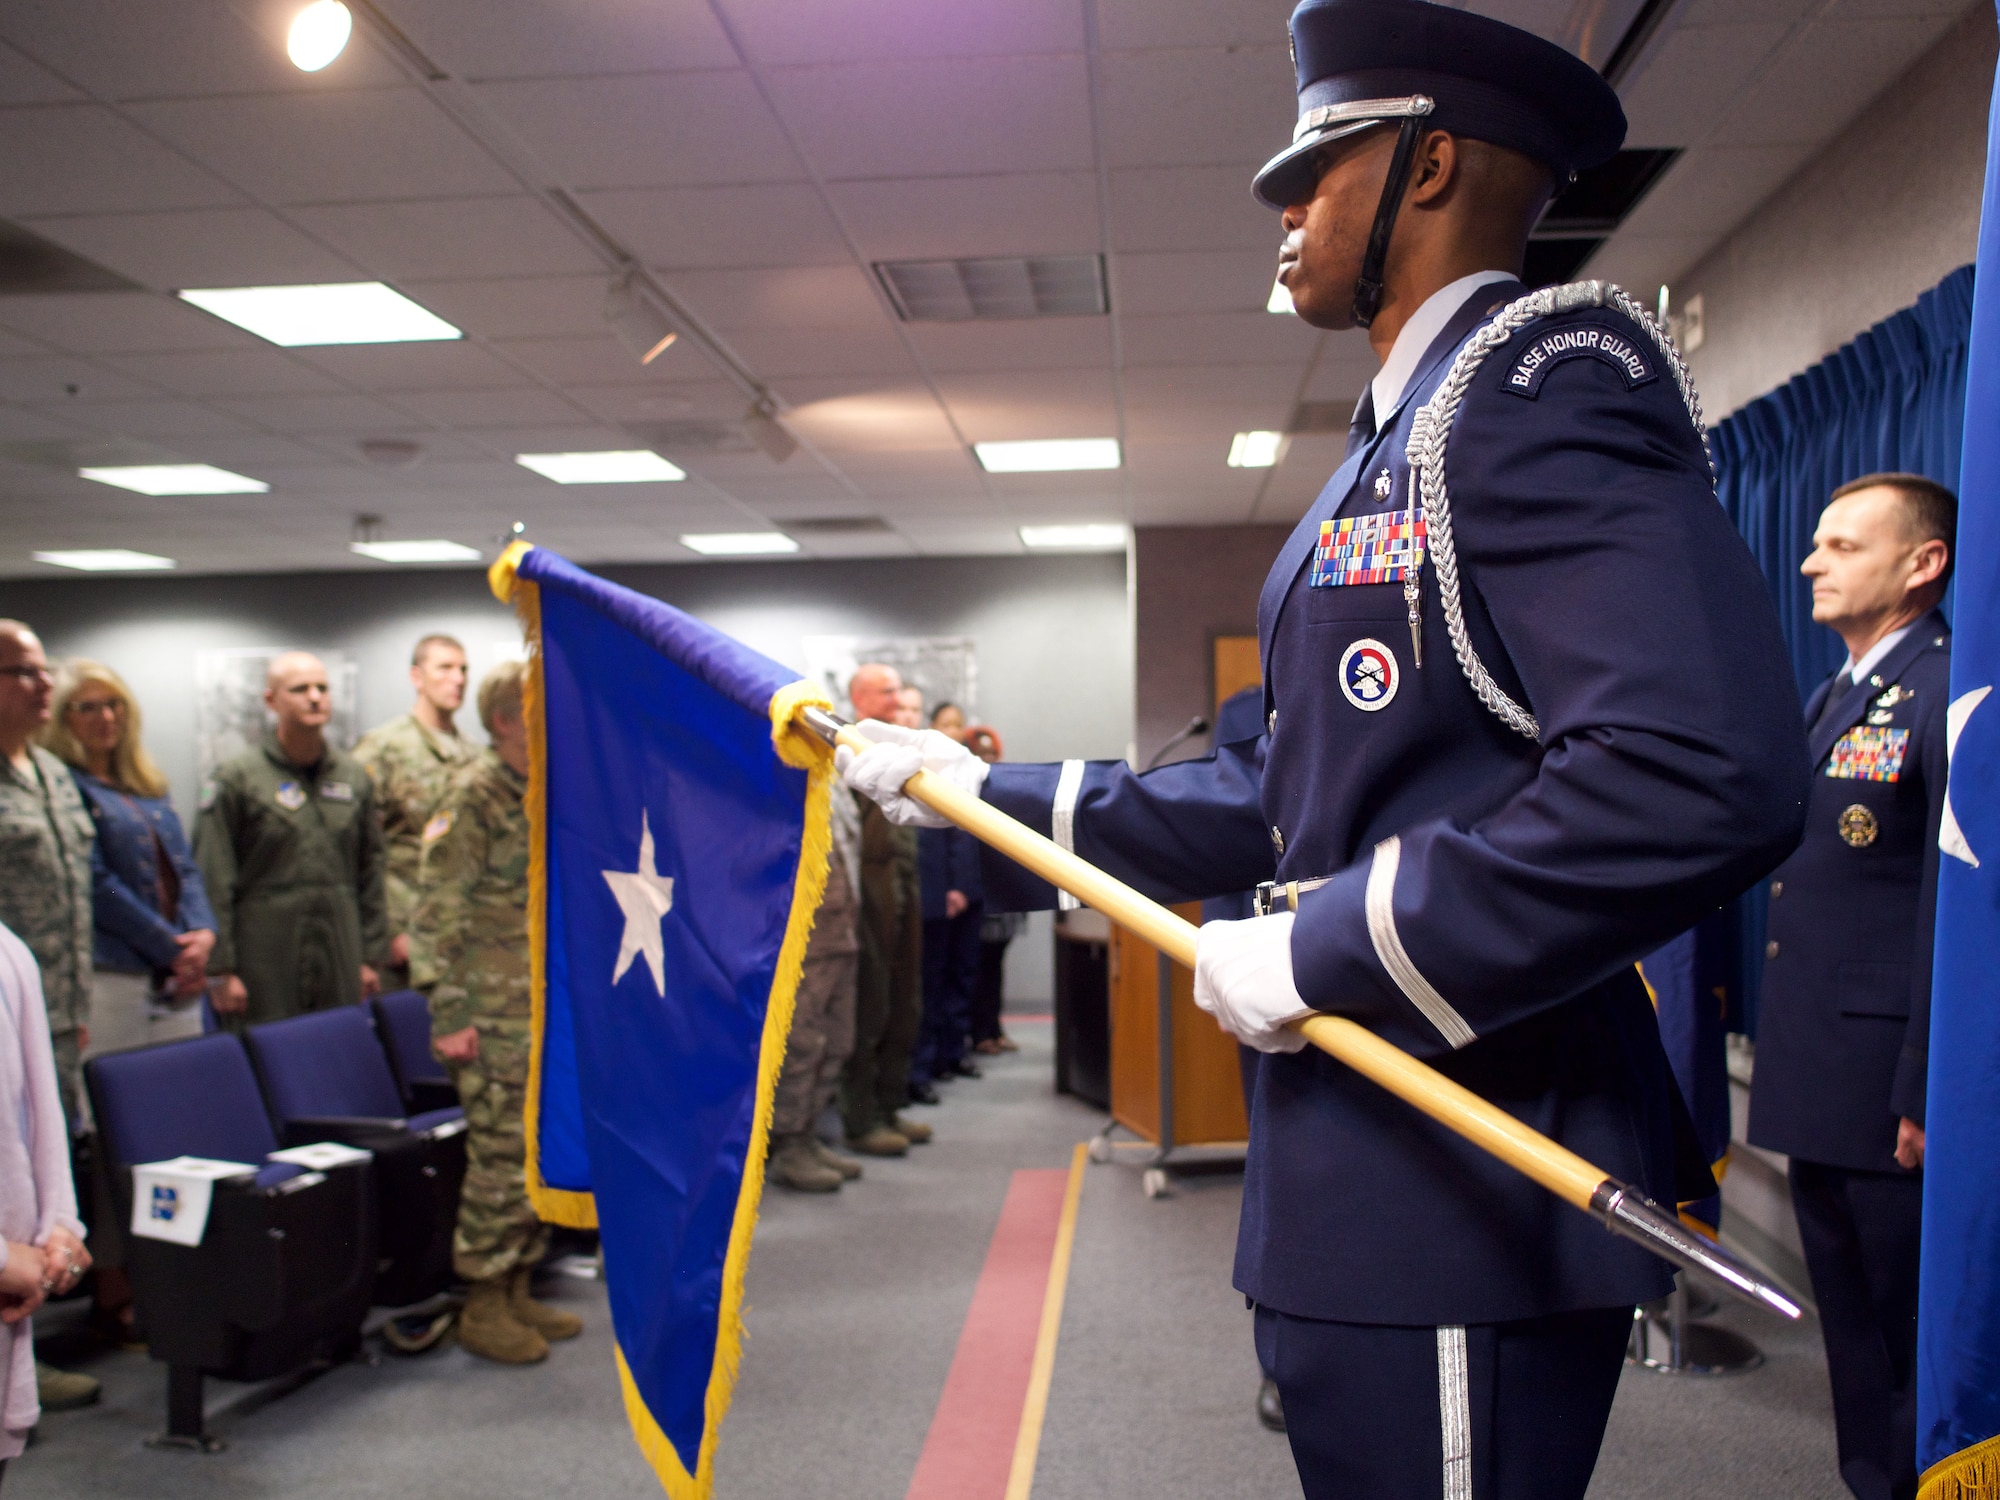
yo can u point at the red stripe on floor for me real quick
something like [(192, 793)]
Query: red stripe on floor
[(970, 1447)]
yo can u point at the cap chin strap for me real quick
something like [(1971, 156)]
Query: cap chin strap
[(1368, 289)]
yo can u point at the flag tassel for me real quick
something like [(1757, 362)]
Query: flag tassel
[(1971, 1474)]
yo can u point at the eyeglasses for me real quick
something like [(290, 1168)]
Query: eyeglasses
[(28, 673), (112, 706)]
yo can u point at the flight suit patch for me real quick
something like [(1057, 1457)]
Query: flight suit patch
[(1551, 349), (336, 791), (290, 796), (1382, 548), (1858, 827), (1869, 752), (1369, 675)]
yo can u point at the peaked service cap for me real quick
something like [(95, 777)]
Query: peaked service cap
[(1361, 62)]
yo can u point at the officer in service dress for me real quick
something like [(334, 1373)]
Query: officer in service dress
[(1523, 723), (1843, 1031), (290, 848)]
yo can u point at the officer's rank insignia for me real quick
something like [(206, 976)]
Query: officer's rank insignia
[(1383, 548), (1551, 349), (1858, 826), (1895, 695), (1369, 675), (438, 827), (336, 791), (1384, 485), (1869, 752), (290, 796)]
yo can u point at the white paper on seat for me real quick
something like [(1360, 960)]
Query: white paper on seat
[(321, 1156), (170, 1199)]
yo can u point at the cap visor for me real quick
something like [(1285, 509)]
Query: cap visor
[(1289, 176)]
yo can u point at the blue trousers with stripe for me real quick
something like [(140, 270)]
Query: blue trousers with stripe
[(1497, 1411)]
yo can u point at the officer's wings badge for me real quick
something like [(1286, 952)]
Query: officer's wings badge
[(1869, 752)]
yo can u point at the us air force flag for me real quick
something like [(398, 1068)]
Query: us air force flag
[(679, 850), (1958, 1321)]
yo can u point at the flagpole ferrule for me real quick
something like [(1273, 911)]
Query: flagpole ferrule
[(1631, 1214), (822, 722)]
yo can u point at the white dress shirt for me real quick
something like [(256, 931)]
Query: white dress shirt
[(1858, 671), (1425, 324)]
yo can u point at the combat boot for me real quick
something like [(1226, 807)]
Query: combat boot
[(489, 1328), (916, 1132), (552, 1323), (65, 1390), (794, 1164), (846, 1166), (880, 1141)]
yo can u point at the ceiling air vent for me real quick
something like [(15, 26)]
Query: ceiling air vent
[(962, 291), (837, 525)]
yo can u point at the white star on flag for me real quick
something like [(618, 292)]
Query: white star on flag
[(645, 896), (1951, 838)]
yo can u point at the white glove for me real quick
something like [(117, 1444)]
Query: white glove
[(1243, 977), (878, 773)]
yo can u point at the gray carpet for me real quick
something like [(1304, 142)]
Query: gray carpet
[(856, 1302)]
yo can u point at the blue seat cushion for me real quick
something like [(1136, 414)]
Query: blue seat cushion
[(326, 1062), (192, 1098), (406, 1026)]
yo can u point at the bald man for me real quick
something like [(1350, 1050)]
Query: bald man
[(290, 844)]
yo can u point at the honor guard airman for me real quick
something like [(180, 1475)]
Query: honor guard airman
[(1527, 714), (1843, 1030)]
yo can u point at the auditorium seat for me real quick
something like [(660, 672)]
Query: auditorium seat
[(403, 1021), (284, 1272), (326, 1078)]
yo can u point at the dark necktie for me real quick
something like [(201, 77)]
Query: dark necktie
[(1842, 684), (1361, 430)]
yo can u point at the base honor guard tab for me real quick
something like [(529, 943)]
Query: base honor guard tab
[(1385, 548)]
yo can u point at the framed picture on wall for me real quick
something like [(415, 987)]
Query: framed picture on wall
[(229, 712)]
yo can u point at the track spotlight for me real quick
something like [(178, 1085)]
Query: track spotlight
[(762, 425), (641, 327), (319, 34)]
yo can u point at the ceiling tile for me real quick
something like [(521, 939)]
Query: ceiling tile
[(1193, 23), (457, 364), (536, 39), (1691, 76), (1235, 281), (776, 353), (120, 323), (732, 227), (1027, 213), (940, 117), (834, 31), (46, 378), (312, 414), (329, 147), (1216, 339), (990, 407), (1014, 344), (1190, 208), (507, 408), (168, 422), (648, 130), (805, 297), (944, 473), (657, 402), (517, 306), (204, 247), (1243, 96), (603, 361), (841, 419), (24, 82), (80, 158), (1711, 189), (1825, 78), (452, 238), (249, 372)]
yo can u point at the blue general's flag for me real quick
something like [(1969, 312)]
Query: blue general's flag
[(1958, 1323), (1688, 983), (680, 843)]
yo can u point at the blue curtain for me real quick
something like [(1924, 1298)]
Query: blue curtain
[(1893, 400)]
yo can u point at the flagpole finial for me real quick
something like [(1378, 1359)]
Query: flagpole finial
[(500, 577), (794, 735)]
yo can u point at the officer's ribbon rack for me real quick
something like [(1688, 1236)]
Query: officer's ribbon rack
[(1621, 1209)]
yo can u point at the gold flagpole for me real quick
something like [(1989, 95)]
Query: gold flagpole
[(1622, 1209)]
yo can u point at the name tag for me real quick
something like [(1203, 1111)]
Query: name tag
[(336, 791), (1383, 548), (1869, 752), (1551, 349)]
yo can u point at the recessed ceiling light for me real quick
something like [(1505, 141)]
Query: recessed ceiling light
[(1093, 536), (1255, 450), (176, 479), (347, 312), (1047, 455), (1280, 300), (436, 550), (624, 466), (738, 543), (319, 34), (107, 560)]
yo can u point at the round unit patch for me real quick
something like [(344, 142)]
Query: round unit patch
[(1858, 826), (1369, 675)]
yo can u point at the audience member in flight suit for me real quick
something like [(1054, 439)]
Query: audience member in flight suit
[(290, 848), (1843, 1031), (1518, 734)]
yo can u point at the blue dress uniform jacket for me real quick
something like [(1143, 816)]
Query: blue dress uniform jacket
[(1511, 883), (1843, 1033), (947, 860)]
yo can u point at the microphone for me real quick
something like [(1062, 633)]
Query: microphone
[(1197, 725)]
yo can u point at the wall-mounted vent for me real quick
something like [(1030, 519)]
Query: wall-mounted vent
[(961, 291), (30, 264), (837, 526), (1583, 215)]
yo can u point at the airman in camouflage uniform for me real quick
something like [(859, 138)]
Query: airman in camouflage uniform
[(474, 911), (410, 761)]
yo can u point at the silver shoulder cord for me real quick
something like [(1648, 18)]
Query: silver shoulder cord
[(1432, 426)]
